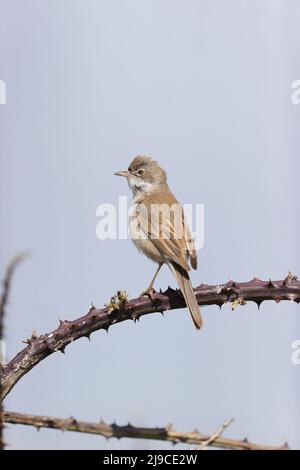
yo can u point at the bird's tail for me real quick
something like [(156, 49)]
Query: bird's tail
[(186, 288)]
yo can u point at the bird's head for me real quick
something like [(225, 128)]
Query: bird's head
[(144, 174)]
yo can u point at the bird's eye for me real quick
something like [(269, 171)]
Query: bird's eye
[(140, 172)]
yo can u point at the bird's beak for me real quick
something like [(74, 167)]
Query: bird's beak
[(122, 173)]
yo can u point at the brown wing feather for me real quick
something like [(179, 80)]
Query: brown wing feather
[(163, 235), (190, 246)]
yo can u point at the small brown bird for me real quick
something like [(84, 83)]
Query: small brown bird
[(158, 227)]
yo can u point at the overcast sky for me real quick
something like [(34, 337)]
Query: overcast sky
[(204, 87)]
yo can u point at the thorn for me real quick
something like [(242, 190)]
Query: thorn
[(286, 446), (88, 336), (160, 291), (63, 322), (162, 312), (245, 440), (62, 349), (271, 284), (258, 302), (169, 291)]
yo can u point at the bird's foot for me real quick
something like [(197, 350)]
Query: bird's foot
[(149, 292)]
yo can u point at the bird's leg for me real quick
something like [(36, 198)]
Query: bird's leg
[(150, 291)]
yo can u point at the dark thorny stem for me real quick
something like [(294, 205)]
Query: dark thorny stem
[(121, 309)]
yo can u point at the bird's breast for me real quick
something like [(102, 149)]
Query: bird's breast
[(139, 234)]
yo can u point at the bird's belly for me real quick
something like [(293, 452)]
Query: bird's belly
[(148, 248), (140, 239)]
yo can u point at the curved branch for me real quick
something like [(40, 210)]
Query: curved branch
[(3, 302), (129, 431), (7, 284), (120, 309)]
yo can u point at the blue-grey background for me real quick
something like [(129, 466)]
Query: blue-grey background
[(205, 88)]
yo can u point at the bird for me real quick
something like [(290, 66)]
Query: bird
[(159, 229)]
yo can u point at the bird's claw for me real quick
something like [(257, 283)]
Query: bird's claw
[(149, 292)]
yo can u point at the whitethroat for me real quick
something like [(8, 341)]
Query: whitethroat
[(158, 227)]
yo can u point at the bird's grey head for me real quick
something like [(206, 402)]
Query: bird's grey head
[(144, 174)]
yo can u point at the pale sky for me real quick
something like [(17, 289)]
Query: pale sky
[(204, 87)]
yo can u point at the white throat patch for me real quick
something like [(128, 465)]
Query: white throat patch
[(137, 185)]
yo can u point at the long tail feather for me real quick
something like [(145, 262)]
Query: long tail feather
[(186, 288)]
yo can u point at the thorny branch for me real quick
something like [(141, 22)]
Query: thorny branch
[(3, 302), (121, 309), (129, 431)]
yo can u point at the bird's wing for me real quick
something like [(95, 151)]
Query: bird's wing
[(190, 245), (165, 229)]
